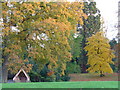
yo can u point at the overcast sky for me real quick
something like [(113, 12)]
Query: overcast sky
[(109, 9)]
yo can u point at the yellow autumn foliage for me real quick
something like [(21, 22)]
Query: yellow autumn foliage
[(33, 19), (99, 54)]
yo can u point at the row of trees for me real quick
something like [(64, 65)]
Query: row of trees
[(40, 38), (93, 25)]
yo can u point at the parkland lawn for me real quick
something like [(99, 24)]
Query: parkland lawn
[(76, 81), (77, 84)]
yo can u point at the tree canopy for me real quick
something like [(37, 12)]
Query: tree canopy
[(99, 54), (38, 31)]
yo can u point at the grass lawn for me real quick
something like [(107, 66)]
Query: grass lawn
[(78, 84), (76, 81), (94, 77)]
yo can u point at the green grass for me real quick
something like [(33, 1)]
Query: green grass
[(79, 84), (93, 77)]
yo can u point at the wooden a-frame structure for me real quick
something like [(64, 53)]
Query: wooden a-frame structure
[(21, 76)]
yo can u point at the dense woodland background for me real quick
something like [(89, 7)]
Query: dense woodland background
[(48, 39)]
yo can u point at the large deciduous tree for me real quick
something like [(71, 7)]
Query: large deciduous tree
[(99, 54), (38, 31)]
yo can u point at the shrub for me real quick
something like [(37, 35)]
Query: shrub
[(73, 67)]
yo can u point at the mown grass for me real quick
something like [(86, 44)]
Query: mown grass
[(94, 77), (79, 84)]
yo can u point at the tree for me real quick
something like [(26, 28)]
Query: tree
[(113, 44), (74, 41), (42, 31), (99, 54), (117, 49), (91, 25), (13, 47)]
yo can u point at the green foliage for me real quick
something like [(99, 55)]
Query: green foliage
[(113, 44), (65, 78), (91, 25), (38, 75), (74, 41), (114, 68), (34, 76), (45, 75), (73, 67)]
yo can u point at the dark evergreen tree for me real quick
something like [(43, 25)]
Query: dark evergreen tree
[(91, 25), (113, 44)]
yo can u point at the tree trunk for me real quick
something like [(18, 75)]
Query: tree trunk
[(5, 70), (84, 53), (83, 56), (83, 69), (101, 74)]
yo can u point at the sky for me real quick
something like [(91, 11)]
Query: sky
[(109, 12), (109, 9)]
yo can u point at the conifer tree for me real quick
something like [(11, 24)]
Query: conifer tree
[(91, 25)]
